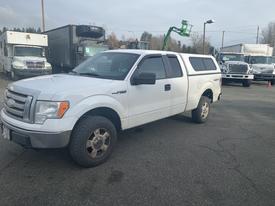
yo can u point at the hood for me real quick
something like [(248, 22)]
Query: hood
[(263, 68), (236, 62), (62, 86), (28, 58)]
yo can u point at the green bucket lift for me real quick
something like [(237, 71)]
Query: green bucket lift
[(184, 31)]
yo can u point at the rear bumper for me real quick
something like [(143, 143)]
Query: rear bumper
[(264, 76), (31, 72), (36, 139), (238, 76)]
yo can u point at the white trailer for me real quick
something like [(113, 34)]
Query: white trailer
[(23, 54)]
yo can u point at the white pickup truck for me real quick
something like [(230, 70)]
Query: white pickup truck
[(112, 91)]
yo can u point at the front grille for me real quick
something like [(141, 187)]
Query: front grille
[(17, 105), (35, 65), (238, 69)]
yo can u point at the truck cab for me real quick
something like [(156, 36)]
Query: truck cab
[(235, 69), (23, 54), (263, 67)]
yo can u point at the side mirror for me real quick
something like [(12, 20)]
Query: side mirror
[(144, 78)]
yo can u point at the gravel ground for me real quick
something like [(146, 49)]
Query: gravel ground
[(230, 160)]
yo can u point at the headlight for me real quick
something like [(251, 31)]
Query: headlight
[(48, 66), (18, 65), (250, 71), (49, 110)]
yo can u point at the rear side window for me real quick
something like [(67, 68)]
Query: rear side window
[(202, 64), (175, 66), (153, 65)]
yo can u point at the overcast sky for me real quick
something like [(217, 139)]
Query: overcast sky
[(239, 18)]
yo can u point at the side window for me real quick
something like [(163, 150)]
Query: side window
[(153, 65), (209, 64), (202, 64), (175, 67)]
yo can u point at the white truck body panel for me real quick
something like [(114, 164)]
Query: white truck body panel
[(249, 49), (32, 39)]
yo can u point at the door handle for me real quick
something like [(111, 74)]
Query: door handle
[(167, 87)]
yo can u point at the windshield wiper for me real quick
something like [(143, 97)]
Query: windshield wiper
[(88, 74)]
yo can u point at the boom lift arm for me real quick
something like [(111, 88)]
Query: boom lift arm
[(185, 30)]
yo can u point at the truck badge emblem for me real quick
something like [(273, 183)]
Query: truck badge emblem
[(10, 102)]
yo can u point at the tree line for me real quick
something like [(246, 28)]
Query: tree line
[(27, 29)]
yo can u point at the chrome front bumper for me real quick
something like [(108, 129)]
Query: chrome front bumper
[(36, 139)]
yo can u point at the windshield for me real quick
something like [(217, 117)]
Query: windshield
[(28, 51), (260, 60), (231, 57), (110, 65)]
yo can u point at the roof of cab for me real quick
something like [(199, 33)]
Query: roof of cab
[(144, 52)]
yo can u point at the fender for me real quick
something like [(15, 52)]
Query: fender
[(93, 102), (194, 97)]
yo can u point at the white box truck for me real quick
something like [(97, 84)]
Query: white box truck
[(23, 54), (233, 66), (259, 57)]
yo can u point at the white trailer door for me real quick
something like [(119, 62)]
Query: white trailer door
[(179, 83)]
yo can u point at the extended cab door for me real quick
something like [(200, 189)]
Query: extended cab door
[(149, 102), (179, 83)]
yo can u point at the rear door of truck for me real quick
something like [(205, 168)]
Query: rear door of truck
[(178, 81)]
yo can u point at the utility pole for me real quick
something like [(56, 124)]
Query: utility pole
[(222, 38), (210, 21), (43, 18), (203, 38), (257, 40)]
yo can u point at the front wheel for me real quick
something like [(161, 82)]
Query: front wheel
[(92, 141), (13, 76), (201, 113), (247, 82)]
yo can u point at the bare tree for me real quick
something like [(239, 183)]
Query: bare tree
[(269, 34), (112, 41), (197, 43)]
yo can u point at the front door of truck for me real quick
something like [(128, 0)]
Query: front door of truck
[(149, 102)]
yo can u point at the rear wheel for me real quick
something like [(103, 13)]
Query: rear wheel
[(201, 113), (92, 141), (247, 82)]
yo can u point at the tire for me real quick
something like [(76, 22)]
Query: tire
[(201, 113), (92, 141), (13, 76), (247, 83), (272, 82)]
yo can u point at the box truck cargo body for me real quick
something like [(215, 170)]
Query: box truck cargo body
[(72, 44)]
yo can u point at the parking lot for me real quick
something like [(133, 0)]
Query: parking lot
[(230, 160)]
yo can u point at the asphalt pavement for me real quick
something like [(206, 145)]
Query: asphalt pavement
[(230, 160)]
